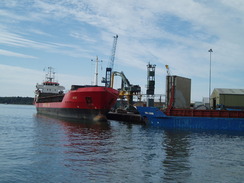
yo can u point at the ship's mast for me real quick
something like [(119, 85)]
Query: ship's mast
[(96, 71), (50, 74)]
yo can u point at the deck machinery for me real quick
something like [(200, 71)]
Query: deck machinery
[(127, 89)]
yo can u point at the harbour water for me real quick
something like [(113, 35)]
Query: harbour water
[(36, 148)]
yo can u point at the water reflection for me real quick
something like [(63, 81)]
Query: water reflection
[(177, 151), (42, 149), (73, 125), (114, 151), (86, 136), (80, 142), (76, 130)]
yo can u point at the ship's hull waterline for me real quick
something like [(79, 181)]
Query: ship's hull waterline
[(91, 103)]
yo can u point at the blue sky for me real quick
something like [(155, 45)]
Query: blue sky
[(67, 34)]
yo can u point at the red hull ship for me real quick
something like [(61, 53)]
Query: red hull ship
[(90, 102)]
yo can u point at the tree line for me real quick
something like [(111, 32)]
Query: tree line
[(16, 100)]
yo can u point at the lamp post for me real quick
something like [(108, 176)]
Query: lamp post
[(210, 53)]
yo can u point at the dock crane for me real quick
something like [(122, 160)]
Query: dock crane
[(109, 70), (127, 90), (168, 70)]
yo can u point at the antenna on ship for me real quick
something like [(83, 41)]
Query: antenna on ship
[(50, 75)]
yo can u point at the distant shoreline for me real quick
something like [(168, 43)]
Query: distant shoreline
[(17, 100)]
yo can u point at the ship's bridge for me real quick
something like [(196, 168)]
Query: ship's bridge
[(50, 87)]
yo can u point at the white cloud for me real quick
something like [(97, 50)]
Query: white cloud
[(178, 33), (19, 81), (14, 54), (82, 36), (14, 17), (36, 31), (16, 40), (19, 41)]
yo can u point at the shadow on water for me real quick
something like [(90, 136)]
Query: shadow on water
[(177, 151)]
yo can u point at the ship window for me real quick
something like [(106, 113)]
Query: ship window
[(88, 100)]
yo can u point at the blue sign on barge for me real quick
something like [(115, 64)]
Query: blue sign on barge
[(193, 119)]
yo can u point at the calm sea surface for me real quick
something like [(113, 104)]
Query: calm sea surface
[(36, 148)]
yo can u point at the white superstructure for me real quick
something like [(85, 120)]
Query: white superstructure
[(49, 85)]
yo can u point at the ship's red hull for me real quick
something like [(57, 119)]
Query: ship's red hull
[(91, 103)]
